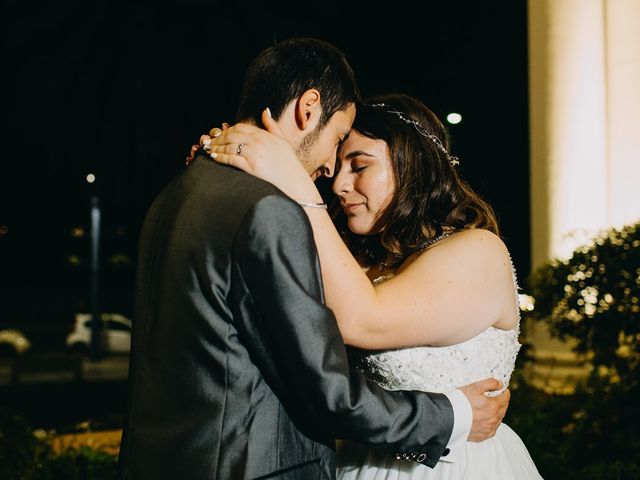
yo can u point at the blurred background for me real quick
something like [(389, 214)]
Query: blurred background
[(102, 101)]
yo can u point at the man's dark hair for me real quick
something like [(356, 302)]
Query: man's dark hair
[(284, 71)]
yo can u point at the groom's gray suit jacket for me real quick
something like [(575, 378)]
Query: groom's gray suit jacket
[(237, 368)]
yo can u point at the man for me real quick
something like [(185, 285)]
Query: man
[(238, 369)]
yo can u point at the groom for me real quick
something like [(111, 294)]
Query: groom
[(238, 369)]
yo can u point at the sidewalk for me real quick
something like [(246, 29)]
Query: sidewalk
[(45, 368)]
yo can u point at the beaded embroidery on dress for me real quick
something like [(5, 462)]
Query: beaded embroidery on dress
[(492, 353)]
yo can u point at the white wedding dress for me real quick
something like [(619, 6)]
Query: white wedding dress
[(492, 353)]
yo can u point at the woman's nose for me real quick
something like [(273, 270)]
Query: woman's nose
[(342, 184)]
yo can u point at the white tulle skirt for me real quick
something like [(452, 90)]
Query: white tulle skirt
[(503, 456)]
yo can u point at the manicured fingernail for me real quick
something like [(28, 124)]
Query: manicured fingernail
[(217, 134), (213, 155), (269, 112), (225, 124), (206, 143)]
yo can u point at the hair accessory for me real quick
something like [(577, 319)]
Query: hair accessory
[(453, 160), (311, 204)]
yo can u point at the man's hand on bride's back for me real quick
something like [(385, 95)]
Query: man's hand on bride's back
[(488, 412)]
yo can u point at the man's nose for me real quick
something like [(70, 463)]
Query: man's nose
[(327, 170)]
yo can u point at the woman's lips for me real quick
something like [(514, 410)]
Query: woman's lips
[(350, 207)]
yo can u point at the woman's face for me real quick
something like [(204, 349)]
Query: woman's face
[(364, 182)]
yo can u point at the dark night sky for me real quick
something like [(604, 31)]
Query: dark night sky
[(122, 90)]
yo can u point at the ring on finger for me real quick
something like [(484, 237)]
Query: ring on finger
[(239, 149)]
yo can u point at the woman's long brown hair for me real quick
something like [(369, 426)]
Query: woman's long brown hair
[(429, 196)]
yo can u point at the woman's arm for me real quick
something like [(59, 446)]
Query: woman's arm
[(449, 294)]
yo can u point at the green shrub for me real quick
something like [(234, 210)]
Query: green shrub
[(26, 454), (592, 298)]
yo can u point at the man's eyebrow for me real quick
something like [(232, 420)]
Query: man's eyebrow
[(357, 153)]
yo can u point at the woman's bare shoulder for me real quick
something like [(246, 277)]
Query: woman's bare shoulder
[(473, 244)]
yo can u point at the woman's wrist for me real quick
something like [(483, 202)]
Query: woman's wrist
[(311, 204), (302, 189)]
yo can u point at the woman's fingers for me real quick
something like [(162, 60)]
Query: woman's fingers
[(250, 135), (192, 155), (233, 149), (234, 136), (270, 124), (251, 148), (205, 140), (226, 144), (236, 155), (232, 160), (243, 128)]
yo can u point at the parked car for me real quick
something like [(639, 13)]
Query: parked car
[(115, 333), (13, 342)]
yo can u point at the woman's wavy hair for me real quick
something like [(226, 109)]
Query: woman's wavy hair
[(429, 195)]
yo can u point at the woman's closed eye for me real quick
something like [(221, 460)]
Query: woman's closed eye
[(358, 168)]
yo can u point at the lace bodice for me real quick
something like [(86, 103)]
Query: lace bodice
[(440, 369), (492, 353)]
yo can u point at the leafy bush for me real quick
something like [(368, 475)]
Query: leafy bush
[(592, 298), (26, 454)]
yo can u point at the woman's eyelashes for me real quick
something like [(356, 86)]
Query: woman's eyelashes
[(350, 167)]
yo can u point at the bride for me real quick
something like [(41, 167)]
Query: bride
[(413, 268)]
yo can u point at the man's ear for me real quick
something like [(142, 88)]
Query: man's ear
[(308, 109)]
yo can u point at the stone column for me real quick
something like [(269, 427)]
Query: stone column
[(584, 94)]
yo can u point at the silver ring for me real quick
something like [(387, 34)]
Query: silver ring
[(239, 150)]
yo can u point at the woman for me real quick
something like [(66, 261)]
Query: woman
[(426, 281)]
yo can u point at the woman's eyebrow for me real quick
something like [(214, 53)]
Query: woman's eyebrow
[(357, 153)]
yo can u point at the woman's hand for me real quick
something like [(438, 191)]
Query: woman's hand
[(192, 154), (264, 153), (205, 140)]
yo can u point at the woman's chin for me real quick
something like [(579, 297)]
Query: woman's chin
[(358, 227)]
